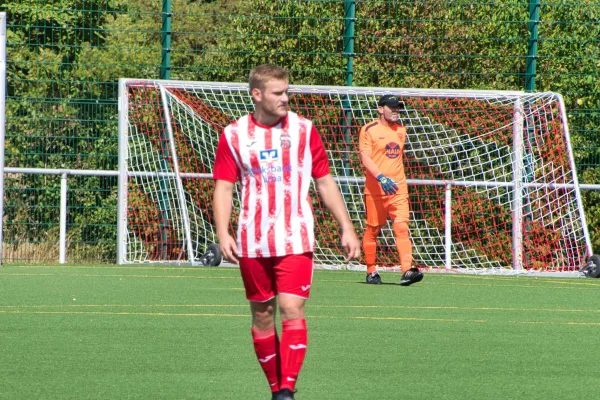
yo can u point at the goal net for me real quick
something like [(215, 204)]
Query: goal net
[(491, 175)]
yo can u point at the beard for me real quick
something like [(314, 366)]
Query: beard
[(276, 111), (392, 118)]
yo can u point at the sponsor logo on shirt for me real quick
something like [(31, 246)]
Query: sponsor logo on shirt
[(269, 170), (392, 150), (268, 156)]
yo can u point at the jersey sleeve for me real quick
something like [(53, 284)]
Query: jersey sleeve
[(320, 163), (225, 168), (365, 144)]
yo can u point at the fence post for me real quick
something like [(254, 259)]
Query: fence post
[(448, 225), (349, 20), (165, 66), (532, 27), (62, 258)]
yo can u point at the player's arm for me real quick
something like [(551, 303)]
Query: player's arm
[(365, 144), (225, 174), (222, 208), (329, 193), (369, 164), (332, 198)]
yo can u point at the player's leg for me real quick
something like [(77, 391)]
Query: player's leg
[(403, 244), (376, 216), (294, 340), (294, 279), (398, 209), (259, 281), (400, 213), (410, 274)]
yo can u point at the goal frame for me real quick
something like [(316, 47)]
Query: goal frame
[(517, 185)]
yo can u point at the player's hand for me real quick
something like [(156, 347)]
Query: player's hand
[(229, 249), (388, 185), (350, 244)]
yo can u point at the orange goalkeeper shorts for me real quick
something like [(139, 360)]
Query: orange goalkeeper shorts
[(379, 208)]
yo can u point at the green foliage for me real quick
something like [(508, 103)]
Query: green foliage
[(59, 115), (304, 37), (441, 45)]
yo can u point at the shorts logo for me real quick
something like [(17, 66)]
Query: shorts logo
[(392, 150), (268, 156), (305, 288)]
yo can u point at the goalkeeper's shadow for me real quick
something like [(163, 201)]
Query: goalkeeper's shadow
[(380, 284)]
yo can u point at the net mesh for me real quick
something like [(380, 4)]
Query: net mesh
[(476, 162)]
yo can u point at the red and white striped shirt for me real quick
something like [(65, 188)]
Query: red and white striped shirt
[(274, 165)]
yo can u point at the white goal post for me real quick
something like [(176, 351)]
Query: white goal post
[(491, 174)]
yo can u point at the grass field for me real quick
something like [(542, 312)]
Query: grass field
[(108, 332)]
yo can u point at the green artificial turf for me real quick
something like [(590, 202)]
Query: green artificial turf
[(144, 332)]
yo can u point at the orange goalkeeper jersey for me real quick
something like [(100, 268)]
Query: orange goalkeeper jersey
[(384, 145)]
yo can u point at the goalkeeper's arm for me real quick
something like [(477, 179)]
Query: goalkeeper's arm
[(388, 185)]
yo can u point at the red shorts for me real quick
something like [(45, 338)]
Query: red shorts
[(266, 277), (396, 206)]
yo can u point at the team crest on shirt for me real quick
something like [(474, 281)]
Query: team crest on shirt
[(392, 150), (286, 141)]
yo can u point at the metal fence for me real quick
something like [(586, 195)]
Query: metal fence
[(65, 58)]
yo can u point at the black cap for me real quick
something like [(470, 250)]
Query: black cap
[(390, 100)]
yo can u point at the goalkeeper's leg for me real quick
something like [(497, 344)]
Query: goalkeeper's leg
[(403, 244), (400, 213), (369, 245), (376, 216)]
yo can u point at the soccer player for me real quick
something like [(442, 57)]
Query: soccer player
[(273, 153), (381, 146)]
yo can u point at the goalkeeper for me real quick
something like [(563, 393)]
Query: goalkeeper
[(381, 146)]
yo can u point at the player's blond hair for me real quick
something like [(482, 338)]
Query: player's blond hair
[(263, 73)]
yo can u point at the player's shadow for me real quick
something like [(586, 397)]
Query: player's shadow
[(382, 283)]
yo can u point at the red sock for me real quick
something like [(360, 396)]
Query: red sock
[(292, 351), (266, 345)]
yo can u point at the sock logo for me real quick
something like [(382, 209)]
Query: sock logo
[(266, 359), (297, 346), (290, 379)]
